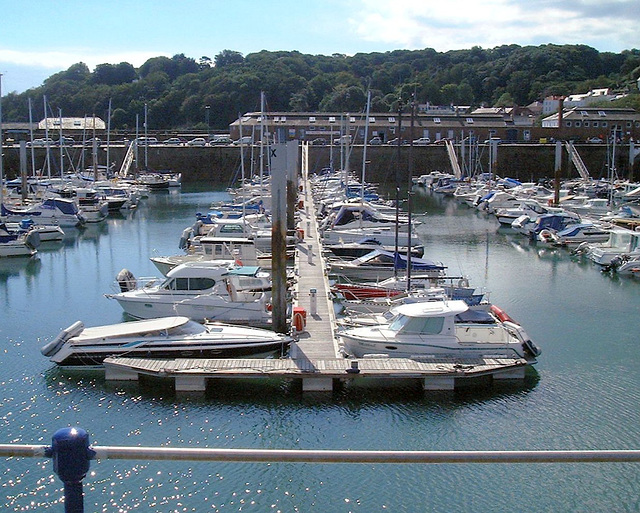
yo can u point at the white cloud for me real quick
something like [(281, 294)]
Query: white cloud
[(443, 25)]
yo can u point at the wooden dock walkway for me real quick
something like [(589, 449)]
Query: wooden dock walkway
[(315, 357), (317, 341)]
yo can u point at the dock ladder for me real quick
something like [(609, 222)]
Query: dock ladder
[(457, 172), (577, 161), (128, 160)]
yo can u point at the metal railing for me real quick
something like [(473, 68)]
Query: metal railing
[(71, 454)]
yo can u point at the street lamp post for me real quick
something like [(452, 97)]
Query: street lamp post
[(207, 110)]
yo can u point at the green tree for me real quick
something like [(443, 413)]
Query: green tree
[(227, 58)]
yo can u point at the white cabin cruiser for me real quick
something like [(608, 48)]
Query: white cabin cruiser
[(51, 211), (166, 337), (200, 291), (428, 329), (14, 244), (621, 242), (379, 265)]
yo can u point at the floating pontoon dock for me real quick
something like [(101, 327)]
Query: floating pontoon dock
[(315, 358)]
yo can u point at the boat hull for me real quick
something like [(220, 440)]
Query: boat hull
[(95, 357), (213, 309)]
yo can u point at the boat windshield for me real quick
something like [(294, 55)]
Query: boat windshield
[(422, 325), (189, 284)]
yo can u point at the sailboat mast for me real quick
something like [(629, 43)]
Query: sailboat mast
[(60, 144), (146, 141), (46, 137), (261, 137), (244, 206), (409, 193), (108, 136), (33, 153), (1, 140), (397, 232), (94, 152), (364, 147)]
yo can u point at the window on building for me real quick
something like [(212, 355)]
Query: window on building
[(567, 123), (602, 113), (585, 123), (578, 123), (595, 124)]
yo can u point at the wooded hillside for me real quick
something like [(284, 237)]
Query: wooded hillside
[(177, 90)]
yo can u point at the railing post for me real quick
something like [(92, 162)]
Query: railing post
[(71, 455)]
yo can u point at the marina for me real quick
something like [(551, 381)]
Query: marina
[(581, 395)]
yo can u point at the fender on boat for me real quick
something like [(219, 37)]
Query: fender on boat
[(501, 314), (56, 344)]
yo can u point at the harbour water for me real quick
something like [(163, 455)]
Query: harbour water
[(583, 393)]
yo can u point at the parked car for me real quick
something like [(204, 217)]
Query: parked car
[(40, 143), (394, 142), (345, 139), (96, 139), (595, 140), (247, 139), (173, 141), (422, 141), (146, 141), (220, 139), (64, 141), (198, 141), (320, 141), (375, 141), (495, 140)]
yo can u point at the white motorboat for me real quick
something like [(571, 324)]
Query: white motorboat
[(379, 265), (357, 249), (625, 265), (574, 235), (529, 207), (429, 328), (621, 242), (200, 291), (166, 337), (51, 211), (46, 232), (14, 244)]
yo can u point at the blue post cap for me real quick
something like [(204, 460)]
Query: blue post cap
[(71, 454)]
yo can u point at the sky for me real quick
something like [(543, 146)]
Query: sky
[(39, 38)]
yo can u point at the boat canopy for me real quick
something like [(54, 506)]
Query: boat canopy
[(391, 258), (432, 308), (132, 328)]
